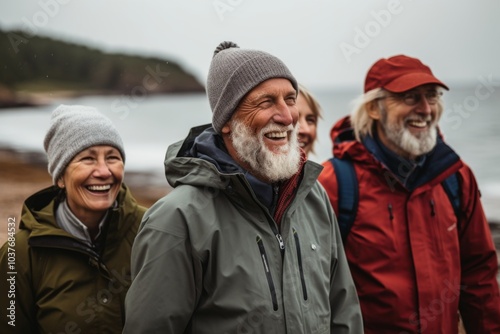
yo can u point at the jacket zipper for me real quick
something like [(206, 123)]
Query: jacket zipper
[(277, 234), (267, 270), (299, 260), (272, 224)]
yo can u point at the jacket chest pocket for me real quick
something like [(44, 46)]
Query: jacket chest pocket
[(376, 232), (443, 227)]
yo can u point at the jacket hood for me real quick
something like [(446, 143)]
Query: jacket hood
[(209, 168), (345, 144)]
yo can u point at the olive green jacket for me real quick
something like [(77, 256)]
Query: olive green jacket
[(61, 285)]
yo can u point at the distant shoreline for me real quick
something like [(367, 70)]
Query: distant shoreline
[(11, 99), (18, 99)]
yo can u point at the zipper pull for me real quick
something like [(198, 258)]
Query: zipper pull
[(391, 216), (276, 189), (280, 240), (433, 210)]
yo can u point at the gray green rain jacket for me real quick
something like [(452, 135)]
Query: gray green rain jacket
[(209, 258)]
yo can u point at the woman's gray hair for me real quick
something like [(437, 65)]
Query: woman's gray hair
[(361, 122)]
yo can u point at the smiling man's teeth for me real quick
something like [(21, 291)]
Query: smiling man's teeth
[(99, 188), (276, 135), (420, 124)]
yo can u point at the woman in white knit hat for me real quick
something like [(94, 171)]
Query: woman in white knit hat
[(72, 252)]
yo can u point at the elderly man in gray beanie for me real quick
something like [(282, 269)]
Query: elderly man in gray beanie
[(247, 240), (75, 237)]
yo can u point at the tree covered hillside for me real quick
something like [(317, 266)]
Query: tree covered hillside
[(41, 64)]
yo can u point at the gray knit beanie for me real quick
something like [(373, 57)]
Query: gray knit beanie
[(233, 73), (74, 129)]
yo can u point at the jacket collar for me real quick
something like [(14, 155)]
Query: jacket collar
[(38, 214), (71, 224), (210, 146), (407, 171)]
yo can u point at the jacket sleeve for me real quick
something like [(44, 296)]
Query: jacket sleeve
[(479, 297), (163, 293), (346, 312), (17, 304)]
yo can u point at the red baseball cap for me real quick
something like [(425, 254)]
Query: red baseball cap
[(398, 74)]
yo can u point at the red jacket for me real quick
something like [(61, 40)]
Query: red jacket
[(414, 267)]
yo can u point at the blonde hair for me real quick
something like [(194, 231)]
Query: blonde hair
[(311, 101), (313, 104)]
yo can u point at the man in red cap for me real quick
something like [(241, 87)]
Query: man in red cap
[(418, 256)]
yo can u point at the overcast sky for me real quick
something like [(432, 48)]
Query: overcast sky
[(324, 42)]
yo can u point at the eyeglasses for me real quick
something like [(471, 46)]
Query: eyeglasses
[(412, 98)]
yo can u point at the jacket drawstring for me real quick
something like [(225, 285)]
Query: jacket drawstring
[(433, 209)]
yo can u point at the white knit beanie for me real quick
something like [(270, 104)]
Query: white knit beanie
[(233, 73), (74, 129)]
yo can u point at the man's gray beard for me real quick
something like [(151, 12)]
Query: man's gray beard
[(252, 150), (406, 141)]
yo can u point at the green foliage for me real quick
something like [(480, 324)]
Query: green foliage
[(40, 64)]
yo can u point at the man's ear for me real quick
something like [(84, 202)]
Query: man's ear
[(226, 129), (373, 109)]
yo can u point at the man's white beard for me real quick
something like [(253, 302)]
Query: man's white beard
[(252, 150), (401, 136)]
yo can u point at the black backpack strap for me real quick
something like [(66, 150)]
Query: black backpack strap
[(348, 194), (451, 186)]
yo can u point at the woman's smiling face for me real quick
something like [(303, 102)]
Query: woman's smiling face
[(92, 181)]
